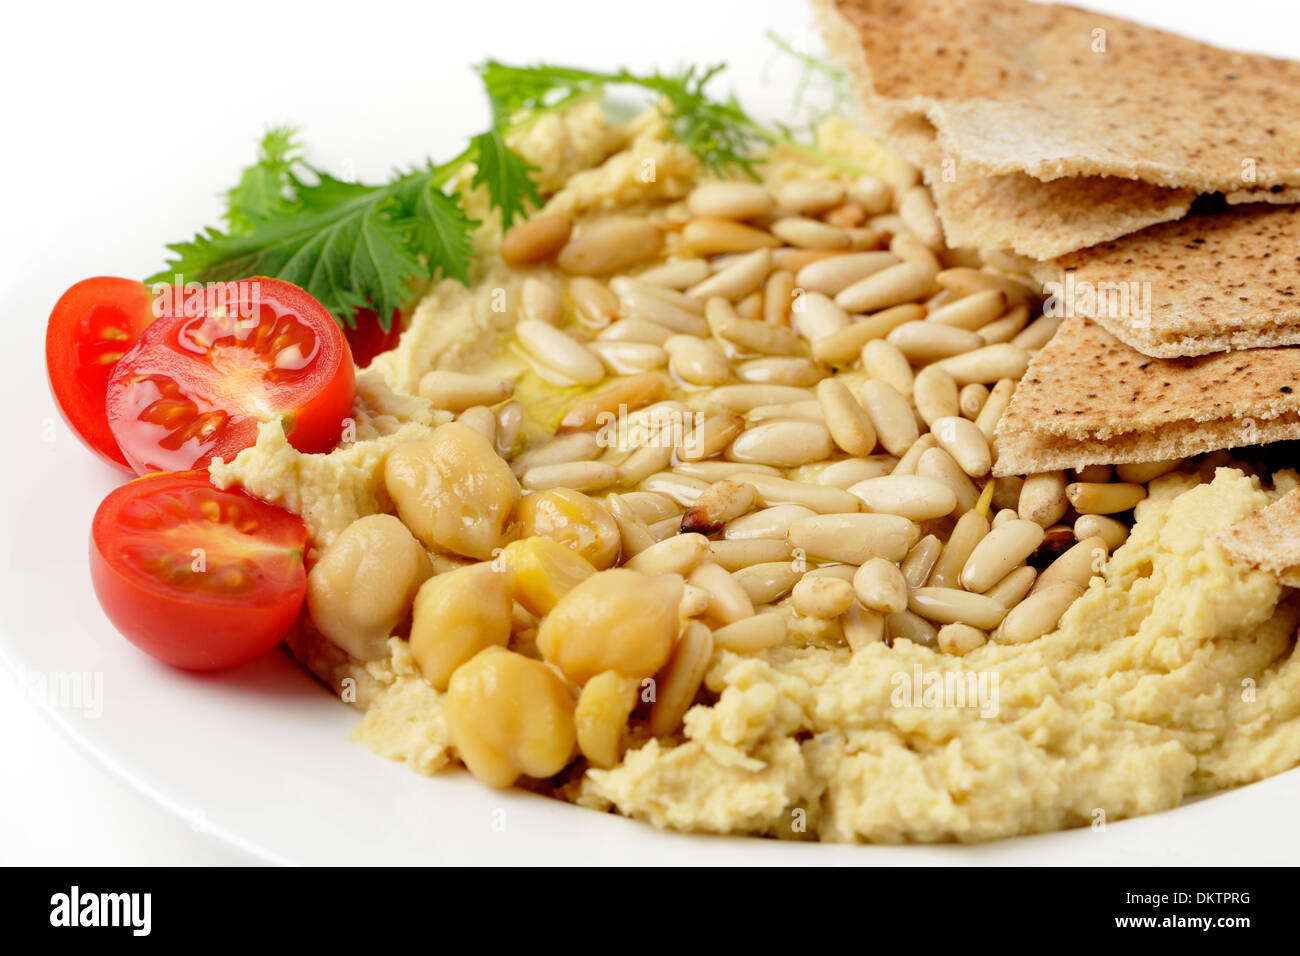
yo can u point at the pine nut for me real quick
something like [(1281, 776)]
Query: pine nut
[(927, 341), (536, 239), (577, 475), (711, 471), (635, 330), (807, 411), (966, 535), (773, 490), (612, 246), (908, 626), (1012, 589), (1104, 498), (695, 601), (681, 489), (778, 297), (1003, 516), (815, 316), (697, 361), (961, 639), (728, 601), (730, 200), (1113, 532), (872, 194), (895, 285), (987, 364), (1077, 565), (634, 535), (1037, 614), (802, 196), (644, 462), (965, 281), (1143, 472), (648, 505), (882, 360), (971, 312), (935, 394), (710, 236), (834, 274), (771, 522), (723, 501), (593, 303), (680, 554), (710, 437), (909, 248), (768, 582), (843, 474), (1000, 551), (938, 464), (457, 391), (955, 606), (999, 398), (742, 398), (846, 215), (847, 421), (741, 276), (920, 560), (854, 538), (890, 414), (807, 233), (782, 444), (738, 555), (681, 679), (597, 410), (792, 260), (637, 302), (971, 399), (556, 350), (1042, 498), (1006, 328), (751, 634), (781, 370), (629, 358), (880, 586), (1037, 333), (577, 446), (510, 424), (540, 302), (911, 496), (912, 457), (482, 420), (916, 209), (747, 334), (846, 344), (821, 597), (966, 443), (676, 273)]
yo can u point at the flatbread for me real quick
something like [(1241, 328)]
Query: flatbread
[(1015, 211), (1088, 399), (1269, 539), (1054, 91), (1207, 283)]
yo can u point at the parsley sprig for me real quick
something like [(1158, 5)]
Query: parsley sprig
[(353, 245)]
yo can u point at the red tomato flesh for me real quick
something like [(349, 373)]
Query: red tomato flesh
[(367, 338), (218, 363), (92, 325), (197, 577)]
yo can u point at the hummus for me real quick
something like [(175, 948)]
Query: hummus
[(1172, 675)]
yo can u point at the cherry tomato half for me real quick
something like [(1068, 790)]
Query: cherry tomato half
[(197, 577), (367, 339), (222, 359), (92, 325)]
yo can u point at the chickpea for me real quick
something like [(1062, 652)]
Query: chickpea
[(545, 571), (603, 708), (573, 519), (362, 587), (509, 715), (457, 614), (453, 490), (617, 620)]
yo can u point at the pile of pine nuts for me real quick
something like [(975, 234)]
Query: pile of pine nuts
[(786, 413)]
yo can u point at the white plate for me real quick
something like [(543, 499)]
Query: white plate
[(147, 115)]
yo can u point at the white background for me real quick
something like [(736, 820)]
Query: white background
[(123, 121)]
